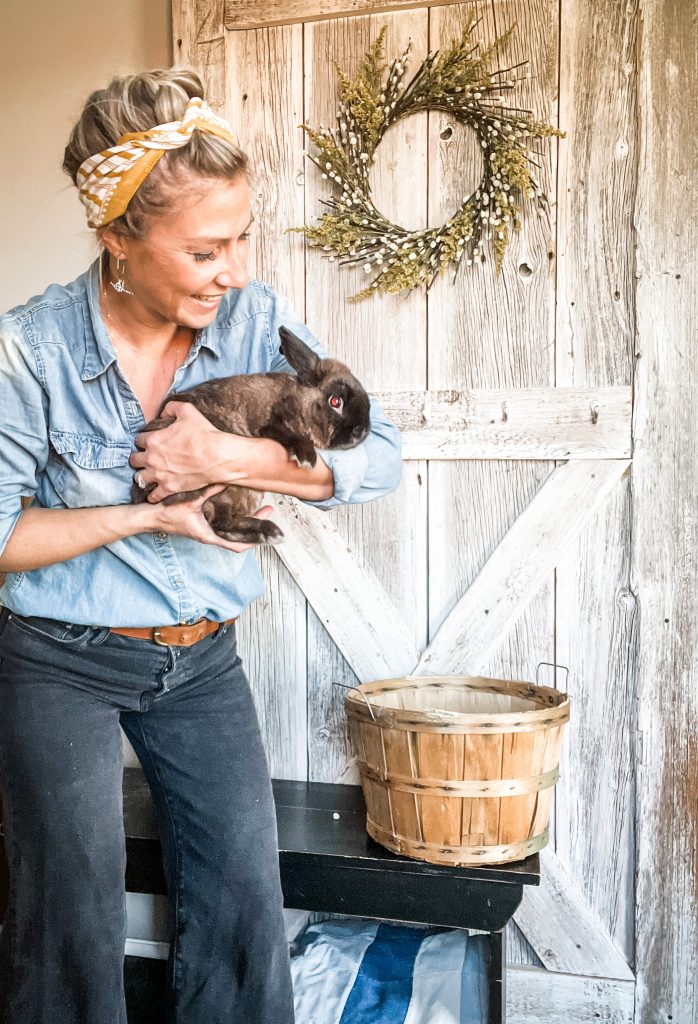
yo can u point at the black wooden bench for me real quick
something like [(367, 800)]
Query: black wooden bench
[(329, 863)]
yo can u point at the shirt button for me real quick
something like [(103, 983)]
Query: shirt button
[(179, 582), (161, 536)]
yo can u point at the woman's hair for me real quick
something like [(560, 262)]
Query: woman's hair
[(135, 103)]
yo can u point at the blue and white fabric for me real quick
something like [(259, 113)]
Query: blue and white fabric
[(370, 972)]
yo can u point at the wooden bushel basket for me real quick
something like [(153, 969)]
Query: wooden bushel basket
[(458, 769)]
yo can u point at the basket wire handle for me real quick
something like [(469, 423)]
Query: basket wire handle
[(344, 686), (554, 666)]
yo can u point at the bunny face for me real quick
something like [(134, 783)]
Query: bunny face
[(340, 411), (343, 411)]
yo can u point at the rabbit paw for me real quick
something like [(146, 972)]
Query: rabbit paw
[(302, 452)]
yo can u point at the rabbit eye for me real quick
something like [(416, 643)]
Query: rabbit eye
[(335, 401)]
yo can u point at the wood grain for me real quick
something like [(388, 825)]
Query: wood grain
[(198, 43), (596, 614), (664, 559), (246, 14), (516, 423), (389, 537), (567, 936), (265, 114), (539, 997), (519, 566)]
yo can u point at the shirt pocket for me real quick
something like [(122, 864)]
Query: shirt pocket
[(86, 470)]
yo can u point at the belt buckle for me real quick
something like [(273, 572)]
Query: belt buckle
[(156, 638)]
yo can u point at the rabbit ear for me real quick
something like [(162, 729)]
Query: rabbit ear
[(307, 365)]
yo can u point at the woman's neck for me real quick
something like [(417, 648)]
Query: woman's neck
[(129, 328)]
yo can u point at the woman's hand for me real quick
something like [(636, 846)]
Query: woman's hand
[(186, 519), (189, 454)]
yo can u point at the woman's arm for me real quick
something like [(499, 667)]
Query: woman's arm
[(192, 453), (43, 536)]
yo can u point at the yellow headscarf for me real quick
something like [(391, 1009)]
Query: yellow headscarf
[(108, 180)]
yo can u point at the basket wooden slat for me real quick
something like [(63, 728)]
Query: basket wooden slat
[(455, 769)]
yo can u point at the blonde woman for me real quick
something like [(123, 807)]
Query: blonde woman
[(119, 614)]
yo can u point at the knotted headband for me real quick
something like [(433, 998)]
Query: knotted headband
[(108, 180)]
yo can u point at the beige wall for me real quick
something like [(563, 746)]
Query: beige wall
[(52, 55)]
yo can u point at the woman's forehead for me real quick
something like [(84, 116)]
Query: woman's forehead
[(218, 213)]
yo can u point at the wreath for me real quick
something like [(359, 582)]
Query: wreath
[(460, 82)]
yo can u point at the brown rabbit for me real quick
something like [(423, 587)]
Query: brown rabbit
[(323, 406)]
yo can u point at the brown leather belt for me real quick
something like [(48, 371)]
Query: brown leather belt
[(172, 636)]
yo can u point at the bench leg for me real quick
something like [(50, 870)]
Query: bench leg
[(497, 1014)]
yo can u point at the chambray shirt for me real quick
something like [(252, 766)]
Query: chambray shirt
[(68, 419)]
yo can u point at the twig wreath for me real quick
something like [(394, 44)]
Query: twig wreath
[(460, 82)]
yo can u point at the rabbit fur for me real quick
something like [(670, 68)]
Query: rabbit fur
[(322, 406)]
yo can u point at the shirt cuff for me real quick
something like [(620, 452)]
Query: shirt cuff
[(348, 468)]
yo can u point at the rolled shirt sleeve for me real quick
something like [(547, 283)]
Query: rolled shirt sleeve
[(371, 469), (23, 430)]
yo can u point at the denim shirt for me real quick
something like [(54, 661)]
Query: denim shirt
[(68, 419)]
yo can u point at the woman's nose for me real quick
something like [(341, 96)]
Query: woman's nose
[(235, 274)]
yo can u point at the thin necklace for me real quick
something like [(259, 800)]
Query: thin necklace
[(178, 341)]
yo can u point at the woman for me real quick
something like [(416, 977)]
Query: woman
[(119, 614)]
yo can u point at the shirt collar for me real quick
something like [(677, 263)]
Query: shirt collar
[(99, 351)]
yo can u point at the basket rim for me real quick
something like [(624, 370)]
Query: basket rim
[(556, 702)]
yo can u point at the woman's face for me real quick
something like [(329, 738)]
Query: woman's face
[(189, 258)]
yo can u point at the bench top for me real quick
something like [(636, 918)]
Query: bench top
[(325, 824)]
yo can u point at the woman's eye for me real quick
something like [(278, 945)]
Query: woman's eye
[(335, 401), (200, 257)]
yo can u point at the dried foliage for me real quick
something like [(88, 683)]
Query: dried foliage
[(459, 81)]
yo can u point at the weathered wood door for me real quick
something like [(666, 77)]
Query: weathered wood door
[(509, 542)]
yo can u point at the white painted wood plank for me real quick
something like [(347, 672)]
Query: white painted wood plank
[(516, 423), (265, 117), (664, 554), (198, 43), (567, 936), (356, 611), (266, 122), (538, 997), (597, 626), (241, 14), (383, 340), (490, 331), (596, 611), (519, 565)]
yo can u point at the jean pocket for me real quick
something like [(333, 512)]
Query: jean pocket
[(65, 633)]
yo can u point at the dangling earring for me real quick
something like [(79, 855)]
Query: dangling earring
[(119, 285)]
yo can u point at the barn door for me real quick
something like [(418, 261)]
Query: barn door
[(506, 545)]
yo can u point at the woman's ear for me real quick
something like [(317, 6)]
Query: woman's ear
[(112, 242)]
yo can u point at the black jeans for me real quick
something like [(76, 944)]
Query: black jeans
[(188, 712)]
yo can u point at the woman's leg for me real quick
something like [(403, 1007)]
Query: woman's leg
[(62, 945), (200, 746)]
